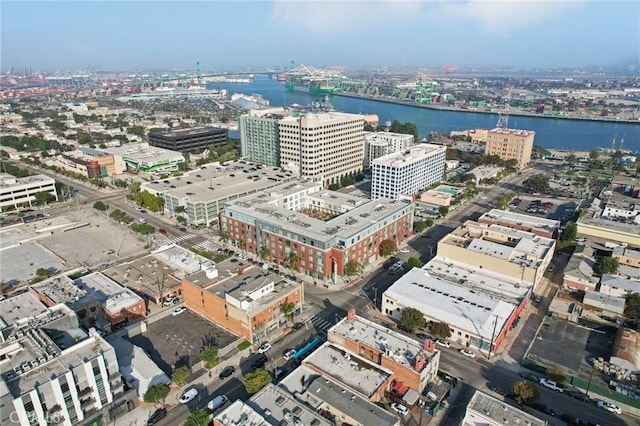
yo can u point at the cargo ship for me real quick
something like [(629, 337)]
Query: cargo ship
[(310, 84)]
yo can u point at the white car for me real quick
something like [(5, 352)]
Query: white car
[(188, 395), (178, 311), (467, 352), (609, 407), (264, 347), (443, 343), (404, 250), (550, 384), (289, 354), (399, 408)]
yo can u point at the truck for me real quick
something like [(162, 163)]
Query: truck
[(550, 384), (611, 245)]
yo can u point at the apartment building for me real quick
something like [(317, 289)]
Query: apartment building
[(326, 146), (260, 135), (53, 372), (379, 144), (407, 172), (511, 144), (21, 192), (247, 303), (314, 231), (189, 140)]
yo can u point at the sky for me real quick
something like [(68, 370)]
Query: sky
[(123, 35)]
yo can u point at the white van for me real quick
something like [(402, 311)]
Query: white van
[(142, 220), (217, 402)]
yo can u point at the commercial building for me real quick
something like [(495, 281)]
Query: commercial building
[(315, 231), (21, 192), (326, 146), (189, 140), (109, 164), (89, 162), (204, 191), (379, 144), (260, 135), (622, 198), (617, 286), (519, 254), (443, 195), (475, 318), (408, 172), (247, 303), (540, 226), (485, 410), (146, 158), (511, 144), (483, 174), (53, 372)]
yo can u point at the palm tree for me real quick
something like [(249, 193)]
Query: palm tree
[(287, 309), (265, 253), (292, 261), (224, 237)]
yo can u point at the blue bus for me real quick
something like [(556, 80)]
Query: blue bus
[(307, 348)]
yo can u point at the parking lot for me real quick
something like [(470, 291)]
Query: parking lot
[(561, 210), (175, 341), (569, 345)]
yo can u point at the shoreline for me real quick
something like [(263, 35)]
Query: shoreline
[(492, 112)]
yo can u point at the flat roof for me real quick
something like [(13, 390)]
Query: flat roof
[(18, 308), (7, 181), (188, 132), (239, 412), (500, 286), (518, 132), (410, 155), (357, 213), (500, 412), (519, 219), (60, 289), (213, 182), (147, 275), (322, 117), (143, 152), (276, 406), (111, 295), (450, 302), (180, 260), (485, 172), (398, 347), (354, 371)]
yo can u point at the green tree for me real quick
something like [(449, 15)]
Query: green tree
[(429, 223), (292, 261), (199, 418), (524, 393), (334, 187), (180, 375), (556, 373), (608, 265), (180, 209), (570, 232), (209, 355), (537, 183), (157, 393), (256, 380), (414, 262), (287, 309), (99, 205), (43, 197), (594, 155), (419, 226), (181, 219), (224, 236), (346, 181), (388, 247), (441, 330), (632, 311), (411, 318), (265, 253), (443, 211), (43, 272), (3, 288), (352, 268), (83, 138), (136, 130)]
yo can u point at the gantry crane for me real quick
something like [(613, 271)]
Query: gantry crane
[(503, 118)]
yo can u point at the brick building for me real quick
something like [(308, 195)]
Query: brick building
[(510, 144)]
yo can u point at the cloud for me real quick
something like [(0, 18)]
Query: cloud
[(504, 17), (329, 17)]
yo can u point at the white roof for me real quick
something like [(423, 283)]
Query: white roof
[(451, 303)]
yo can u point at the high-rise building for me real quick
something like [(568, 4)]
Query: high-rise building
[(189, 140), (407, 172), (379, 144), (259, 136), (329, 146), (511, 144)]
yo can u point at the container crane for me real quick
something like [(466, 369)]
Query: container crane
[(503, 118)]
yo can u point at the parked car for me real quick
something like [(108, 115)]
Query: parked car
[(497, 389), (404, 250), (467, 352), (609, 407), (572, 420), (217, 402), (543, 409), (264, 347), (443, 343), (529, 376), (169, 301), (188, 395), (399, 408), (297, 326), (289, 354), (580, 396), (163, 231), (227, 371), (259, 361), (178, 311), (550, 384), (157, 415)]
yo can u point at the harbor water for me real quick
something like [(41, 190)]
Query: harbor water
[(551, 133)]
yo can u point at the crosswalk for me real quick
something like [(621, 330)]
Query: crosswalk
[(206, 245), (176, 240), (320, 324)]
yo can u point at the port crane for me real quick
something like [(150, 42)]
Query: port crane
[(503, 118)]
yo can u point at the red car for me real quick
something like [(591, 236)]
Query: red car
[(163, 232)]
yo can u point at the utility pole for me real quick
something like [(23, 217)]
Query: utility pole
[(593, 370), (493, 335)]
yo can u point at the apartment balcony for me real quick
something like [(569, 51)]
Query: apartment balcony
[(85, 391), (87, 404)]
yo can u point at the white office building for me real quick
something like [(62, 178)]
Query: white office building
[(379, 144), (327, 146), (407, 172), (15, 192)]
